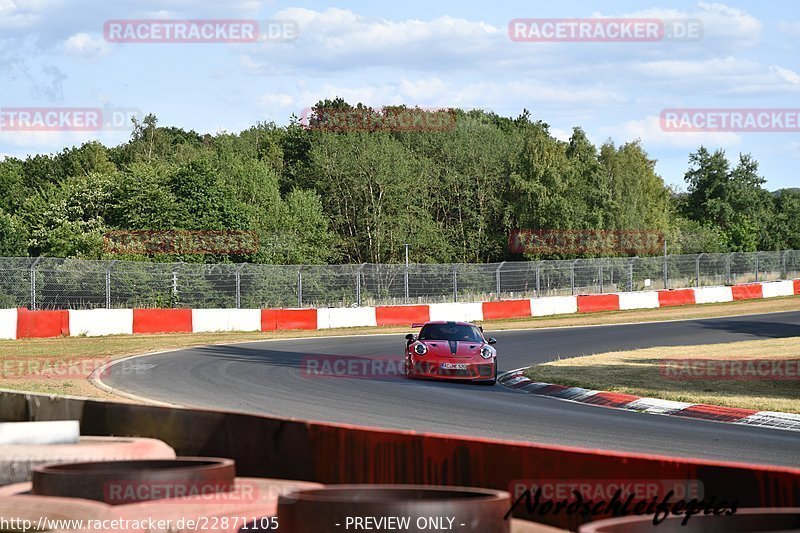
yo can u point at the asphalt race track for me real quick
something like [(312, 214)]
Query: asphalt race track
[(268, 377)]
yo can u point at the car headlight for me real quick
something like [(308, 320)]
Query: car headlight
[(486, 352), (420, 349)]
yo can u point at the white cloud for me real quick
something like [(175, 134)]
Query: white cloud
[(23, 13), (694, 69), (790, 28), (651, 133), (339, 40), (561, 134), (788, 75), (436, 92), (86, 46), (40, 139), (725, 22)]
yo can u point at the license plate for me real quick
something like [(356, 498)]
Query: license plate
[(454, 366)]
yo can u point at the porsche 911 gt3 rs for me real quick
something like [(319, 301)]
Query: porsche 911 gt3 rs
[(452, 351)]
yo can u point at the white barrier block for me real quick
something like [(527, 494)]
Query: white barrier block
[(323, 318), (8, 324), (777, 288), (346, 317), (638, 300), (48, 432), (208, 320), (554, 305), (457, 312), (211, 320), (97, 322), (712, 295), (244, 319)]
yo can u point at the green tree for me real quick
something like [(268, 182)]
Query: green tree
[(13, 236), (732, 200)]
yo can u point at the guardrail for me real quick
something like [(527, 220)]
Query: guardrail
[(264, 446)]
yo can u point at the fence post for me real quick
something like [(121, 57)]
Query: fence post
[(33, 283), (239, 285), (728, 260), (756, 267), (572, 277), (455, 283), (108, 283), (497, 275), (299, 288), (666, 270), (175, 268), (600, 277), (697, 269), (405, 273), (784, 274), (630, 275), (358, 283)]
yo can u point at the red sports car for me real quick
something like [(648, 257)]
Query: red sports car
[(451, 350)]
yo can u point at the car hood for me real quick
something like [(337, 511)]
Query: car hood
[(453, 348)]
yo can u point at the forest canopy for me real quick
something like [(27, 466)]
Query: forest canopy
[(333, 190)]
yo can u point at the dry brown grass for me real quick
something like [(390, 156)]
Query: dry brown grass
[(646, 373)]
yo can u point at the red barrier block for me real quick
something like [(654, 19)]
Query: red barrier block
[(162, 320), (506, 309), (591, 303), (42, 324), (295, 319), (671, 298), (797, 286), (610, 399), (715, 412), (751, 291), (269, 319), (402, 315)]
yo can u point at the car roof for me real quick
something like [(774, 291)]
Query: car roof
[(457, 323)]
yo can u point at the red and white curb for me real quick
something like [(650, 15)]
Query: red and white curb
[(516, 381)]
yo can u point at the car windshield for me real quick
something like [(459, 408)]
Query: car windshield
[(450, 332)]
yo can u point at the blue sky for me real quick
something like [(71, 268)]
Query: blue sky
[(445, 54)]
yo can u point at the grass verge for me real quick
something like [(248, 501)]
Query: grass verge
[(62, 365), (653, 372)]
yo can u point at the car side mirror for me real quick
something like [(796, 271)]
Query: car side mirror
[(492, 340), (410, 337)]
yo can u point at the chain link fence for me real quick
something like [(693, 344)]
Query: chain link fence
[(54, 283)]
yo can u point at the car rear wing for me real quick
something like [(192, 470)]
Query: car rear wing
[(417, 325)]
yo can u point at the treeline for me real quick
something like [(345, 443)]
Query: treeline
[(317, 194)]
